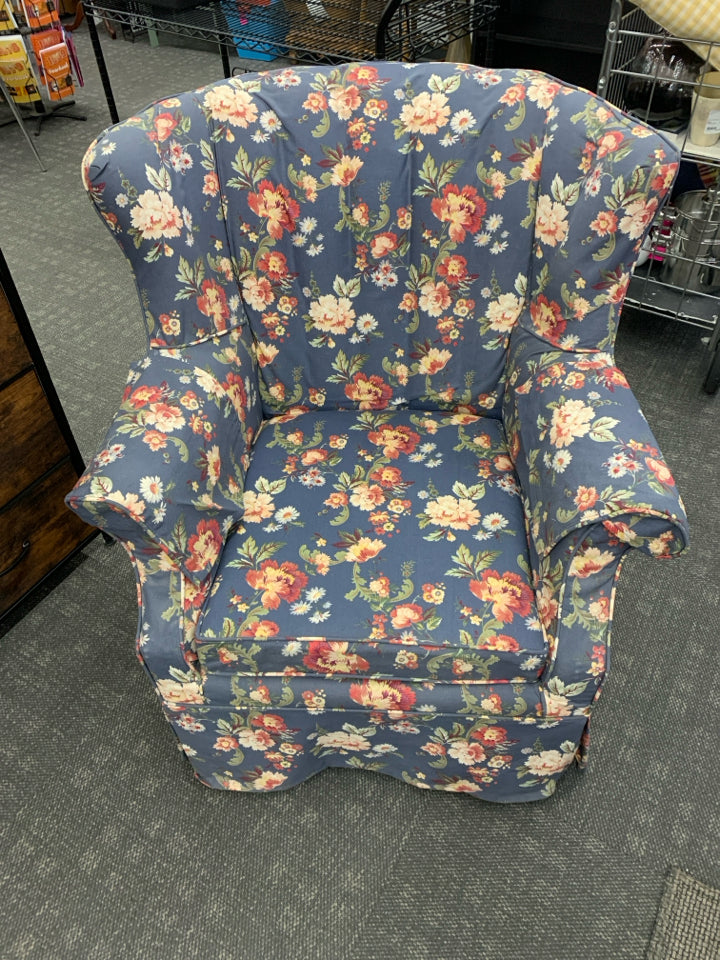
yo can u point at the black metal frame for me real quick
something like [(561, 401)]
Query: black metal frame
[(385, 30)]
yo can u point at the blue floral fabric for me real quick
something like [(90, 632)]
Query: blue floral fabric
[(582, 450), (189, 417), (378, 470), (380, 544)]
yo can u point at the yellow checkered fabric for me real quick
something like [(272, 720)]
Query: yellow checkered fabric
[(689, 19)]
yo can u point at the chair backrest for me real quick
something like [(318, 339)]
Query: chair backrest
[(383, 227)]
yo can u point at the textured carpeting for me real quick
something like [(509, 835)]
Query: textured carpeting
[(110, 851), (688, 924)]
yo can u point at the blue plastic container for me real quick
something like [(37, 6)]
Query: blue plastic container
[(257, 28)]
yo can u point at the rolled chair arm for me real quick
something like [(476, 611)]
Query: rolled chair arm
[(575, 589), (584, 453), (170, 474)]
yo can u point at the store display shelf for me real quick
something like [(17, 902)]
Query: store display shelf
[(691, 151), (305, 31), (646, 290), (655, 76), (314, 32)]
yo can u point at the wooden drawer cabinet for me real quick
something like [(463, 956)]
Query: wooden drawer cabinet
[(30, 438), (16, 355), (36, 531), (39, 460)]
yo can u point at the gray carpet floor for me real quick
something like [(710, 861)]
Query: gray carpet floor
[(111, 851)]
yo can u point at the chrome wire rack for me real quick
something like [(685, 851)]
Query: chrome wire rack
[(680, 276), (306, 31)]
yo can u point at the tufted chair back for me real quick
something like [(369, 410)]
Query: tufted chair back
[(382, 228)]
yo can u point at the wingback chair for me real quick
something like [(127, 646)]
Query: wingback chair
[(378, 471)]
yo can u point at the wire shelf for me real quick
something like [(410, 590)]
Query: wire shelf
[(314, 31), (680, 279)]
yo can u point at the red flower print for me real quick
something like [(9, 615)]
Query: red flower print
[(278, 581), (164, 124), (507, 592), (274, 203), (586, 498), (387, 476), (490, 736), (363, 550), (155, 439), (612, 377), (165, 416), (211, 184), (234, 388), (501, 641), (274, 264), (453, 268), (503, 463), (605, 223), (271, 722), (316, 102), (382, 244), (345, 170), (597, 662), (409, 302), (610, 142), (514, 94), (328, 657), (426, 113), (661, 471), (462, 208), (213, 303), (262, 629), (344, 100), (310, 457), (590, 561), (467, 753), (258, 292), (547, 318), (363, 76), (268, 781), (435, 298), (600, 609), (370, 392), (575, 380), (616, 291), (111, 220), (145, 395), (193, 596), (227, 656), (405, 614), (390, 695), (492, 703), (204, 545), (663, 181), (394, 440), (619, 531)]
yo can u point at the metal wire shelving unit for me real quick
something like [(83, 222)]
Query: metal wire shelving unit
[(668, 283), (307, 31)]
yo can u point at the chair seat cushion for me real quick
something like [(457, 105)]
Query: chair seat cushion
[(377, 544)]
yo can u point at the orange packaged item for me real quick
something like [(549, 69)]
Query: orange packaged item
[(55, 64)]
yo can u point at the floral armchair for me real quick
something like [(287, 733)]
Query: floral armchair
[(378, 471)]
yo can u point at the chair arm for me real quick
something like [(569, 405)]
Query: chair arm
[(170, 474), (584, 452), (575, 589)]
